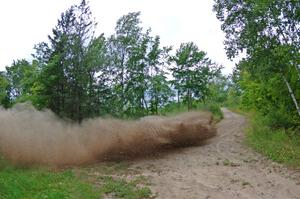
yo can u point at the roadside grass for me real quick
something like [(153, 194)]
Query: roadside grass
[(16, 183), (279, 145), (39, 183), (117, 179)]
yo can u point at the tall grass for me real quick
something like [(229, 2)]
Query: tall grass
[(279, 145)]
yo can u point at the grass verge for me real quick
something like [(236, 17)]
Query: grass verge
[(40, 183), (279, 145)]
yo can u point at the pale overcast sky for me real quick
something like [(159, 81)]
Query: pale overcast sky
[(25, 23)]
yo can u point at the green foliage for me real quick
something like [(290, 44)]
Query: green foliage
[(137, 71), (261, 97), (21, 76), (218, 92), (214, 108), (233, 98), (4, 90), (173, 108), (79, 75), (256, 24), (65, 76), (159, 92), (267, 80), (277, 144), (217, 112), (192, 73)]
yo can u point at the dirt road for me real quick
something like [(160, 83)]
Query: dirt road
[(222, 168)]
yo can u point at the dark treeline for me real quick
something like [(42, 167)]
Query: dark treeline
[(78, 74)]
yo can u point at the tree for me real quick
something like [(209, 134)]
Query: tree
[(64, 62), (218, 89), (98, 88), (135, 67), (269, 32), (4, 90), (192, 72), (159, 90), (125, 54), (16, 75), (78, 75)]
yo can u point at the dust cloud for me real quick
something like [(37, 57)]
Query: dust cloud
[(31, 137)]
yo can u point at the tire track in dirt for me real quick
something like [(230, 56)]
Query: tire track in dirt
[(221, 168)]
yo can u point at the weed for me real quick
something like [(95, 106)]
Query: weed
[(124, 189), (227, 162)]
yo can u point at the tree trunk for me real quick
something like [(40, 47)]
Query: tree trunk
[(156, 101), (145, 105), (297, 70), (178, 98), (156, 105), (122, 85), (77, 105), (292, 94), (189, 99)]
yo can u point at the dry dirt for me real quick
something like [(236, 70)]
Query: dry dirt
[(222, 168)]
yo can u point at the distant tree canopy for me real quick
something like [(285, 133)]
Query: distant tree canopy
[(192, 73), (268, 33), (78, 74)]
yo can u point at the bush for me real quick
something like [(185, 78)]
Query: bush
[(214, 108), (280, 118)]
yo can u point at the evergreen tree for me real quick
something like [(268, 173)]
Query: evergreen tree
[(66, 91)]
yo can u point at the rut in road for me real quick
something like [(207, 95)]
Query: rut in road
[(222, 168)]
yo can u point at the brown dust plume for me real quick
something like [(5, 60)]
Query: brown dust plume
[(28, 136)]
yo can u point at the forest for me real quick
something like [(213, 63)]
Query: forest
[(79, 75)]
